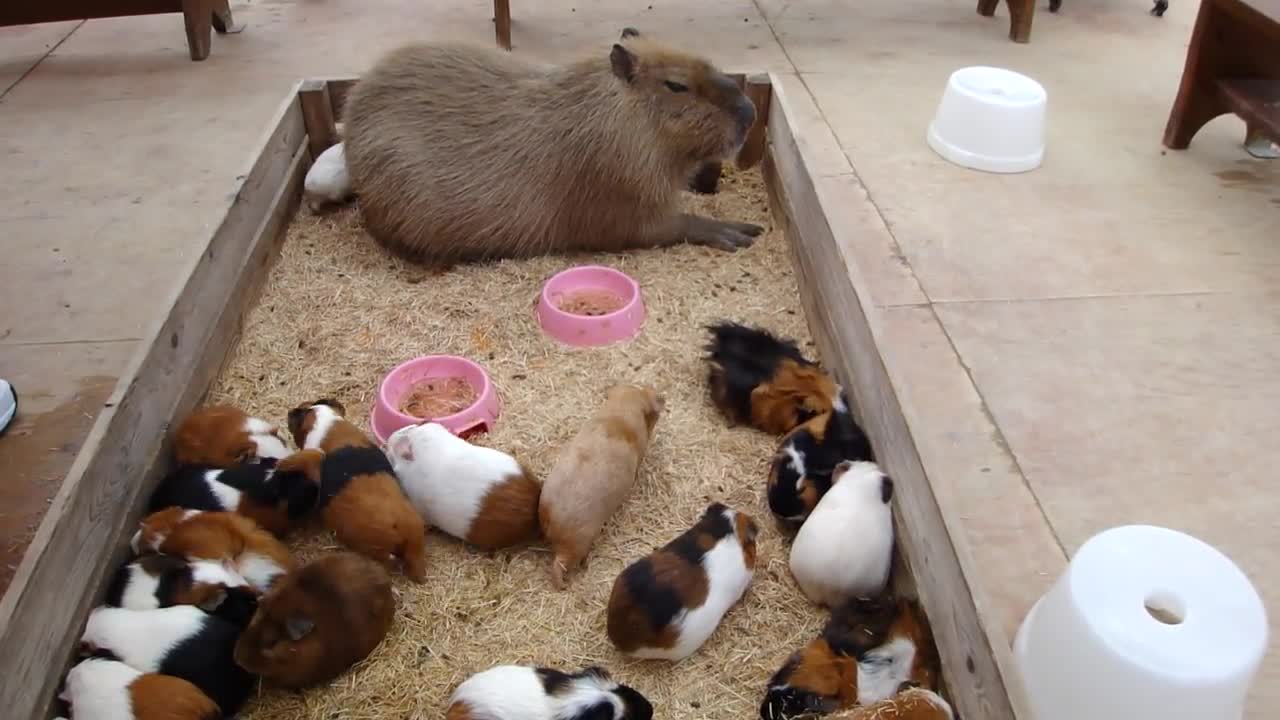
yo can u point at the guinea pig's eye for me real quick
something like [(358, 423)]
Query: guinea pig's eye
[(675, 86)]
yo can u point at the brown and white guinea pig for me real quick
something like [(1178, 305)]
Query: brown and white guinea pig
[(823, 676), (360, 497), (912, 703), (182, 641), (276, 494), (800, 473), (223, 436), (845, 547), (763, 381), (594, 473), (518, 692), (104, 689), (229, 538), (907, 656), (666, 605), (156, 581), (474, 493), (318, 621)]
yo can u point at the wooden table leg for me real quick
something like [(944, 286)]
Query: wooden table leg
[(222, 20), (502, 22), (197, 15), (987, 8), (1020, 14)]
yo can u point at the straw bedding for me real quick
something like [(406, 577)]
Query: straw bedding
[(337, 312)]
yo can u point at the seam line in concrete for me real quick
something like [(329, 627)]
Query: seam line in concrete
[(36, 64), (91, 341), (1069, 298)]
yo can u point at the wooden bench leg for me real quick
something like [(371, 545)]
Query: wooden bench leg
[(197, 15), (502, 22), (222, 20), (1020, 14), (1197, 101), (987, 8)]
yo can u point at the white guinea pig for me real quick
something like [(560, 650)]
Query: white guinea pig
[(474, 493), (328, 180), (845, 547), (516, 692)]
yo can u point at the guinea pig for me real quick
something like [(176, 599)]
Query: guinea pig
[(594, 473), (328, 182), (228, 538), (156, 581), (474, 493), (318, 621), (360, 497), (845, 547), (275, 494), (666, 605), (223, 436), (907, 656), (517, 692), (912, 703), (182, 641), (107, 689), (763, 381), (627, 128), (800, 473)]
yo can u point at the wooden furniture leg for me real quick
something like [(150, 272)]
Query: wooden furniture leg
[(1020, 14), (197, 15), (1232, 66), (502, 22), (223, 23)]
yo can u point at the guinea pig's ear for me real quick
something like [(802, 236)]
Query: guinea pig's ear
[(213, 601), (402, 447), (337, 406), (297, 418), (624, 63), (298, 627)]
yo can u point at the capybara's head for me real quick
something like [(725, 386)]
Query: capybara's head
[(701, 113), (304, 417), (649, 402), (155, 527), (317, 621)]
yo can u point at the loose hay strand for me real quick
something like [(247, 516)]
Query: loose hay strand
[(337, 313)]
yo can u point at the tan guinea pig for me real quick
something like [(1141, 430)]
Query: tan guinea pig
[(594, 474), (318, 621)]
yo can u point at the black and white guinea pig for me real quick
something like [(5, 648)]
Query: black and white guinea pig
[(518, 692), (182, 641), (276, 494), (105, 689), (156, 581), (801, 470)]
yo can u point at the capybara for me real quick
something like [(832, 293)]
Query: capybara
[(360, 497), (467, 153), (594, 473), (318, 621)]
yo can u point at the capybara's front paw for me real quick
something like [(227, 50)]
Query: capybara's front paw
[(727, 236)]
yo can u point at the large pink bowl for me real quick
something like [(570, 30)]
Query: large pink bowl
[(480, 417), (585, 330)]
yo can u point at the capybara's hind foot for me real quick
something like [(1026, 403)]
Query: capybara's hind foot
[(727, 236)]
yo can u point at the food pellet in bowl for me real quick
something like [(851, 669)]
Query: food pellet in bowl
[(591, 303), (437, 397)]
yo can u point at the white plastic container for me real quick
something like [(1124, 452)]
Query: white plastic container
[(1145, 622), (990, 119)]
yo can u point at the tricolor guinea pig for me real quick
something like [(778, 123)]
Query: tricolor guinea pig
[(517, 692), (800, 473), (912, 703), (156, 581), (182, 641), (276, 494), (318, 621), (594, 473), (98, 688), (474, 493), (845, 547), (223, 436), (360, 497), (668, 603), (228, 538), (907, 656), (763, 381)]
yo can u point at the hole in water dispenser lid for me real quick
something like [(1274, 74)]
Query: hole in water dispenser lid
[(1165, 608)]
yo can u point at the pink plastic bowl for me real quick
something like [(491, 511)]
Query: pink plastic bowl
[(480, 417), (585, 330)]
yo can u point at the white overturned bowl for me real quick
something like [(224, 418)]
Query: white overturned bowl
[(990, 119)]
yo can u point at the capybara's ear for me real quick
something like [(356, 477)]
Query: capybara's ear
[(624, 63)]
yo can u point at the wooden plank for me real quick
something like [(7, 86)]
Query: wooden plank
[(1256, 101), (31, 12), (317, 116), (759, 92), (930, 541), (502, 23), (85, 532), (339, 88)]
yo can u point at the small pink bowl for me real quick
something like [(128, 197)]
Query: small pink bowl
[(480, 417), (587, 330)]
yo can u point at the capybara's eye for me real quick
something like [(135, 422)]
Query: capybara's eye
[(676, 87)]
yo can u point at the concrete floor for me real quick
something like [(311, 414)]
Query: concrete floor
[(1087, 345)]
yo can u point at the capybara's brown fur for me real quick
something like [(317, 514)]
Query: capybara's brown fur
[(318, 621), (464, 153), (218, 536), (360, 499), (594, 473), (222, 436)]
